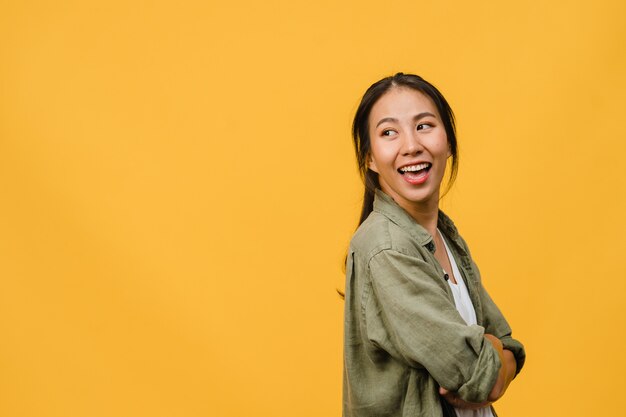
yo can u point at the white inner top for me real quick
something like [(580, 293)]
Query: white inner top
[(465, 308)]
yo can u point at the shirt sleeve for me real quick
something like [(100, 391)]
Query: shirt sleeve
[(496, 324), (494, 321), (411, 316)]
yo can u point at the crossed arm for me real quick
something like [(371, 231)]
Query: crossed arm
[(506, 374), (411, 317)]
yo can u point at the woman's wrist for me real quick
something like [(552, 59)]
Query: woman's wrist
[(499, 387)]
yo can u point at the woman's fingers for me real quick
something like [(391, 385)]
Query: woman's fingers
[(457, 402)]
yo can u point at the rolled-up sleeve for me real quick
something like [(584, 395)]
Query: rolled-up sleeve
[(496, 324), (410, 315), (494, 321)]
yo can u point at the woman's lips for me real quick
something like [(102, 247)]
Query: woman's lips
[(417, 177)]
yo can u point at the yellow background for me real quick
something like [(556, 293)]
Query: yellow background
[(179, 188)]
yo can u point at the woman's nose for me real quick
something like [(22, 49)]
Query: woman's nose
[(412, 144)]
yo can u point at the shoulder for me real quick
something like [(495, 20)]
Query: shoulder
[(378, 234)]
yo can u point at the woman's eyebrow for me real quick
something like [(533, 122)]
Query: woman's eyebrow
[(415, 118), (422, 115), (386, 119)]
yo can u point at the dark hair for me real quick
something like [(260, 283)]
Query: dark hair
[(361, 136)]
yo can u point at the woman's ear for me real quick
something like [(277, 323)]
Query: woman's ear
[(371, 164)]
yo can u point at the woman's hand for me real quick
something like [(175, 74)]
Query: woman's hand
[(505, 376), (457, 402), (507, 370)]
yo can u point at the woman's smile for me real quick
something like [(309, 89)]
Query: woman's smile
[(409, 147), (415, 173)]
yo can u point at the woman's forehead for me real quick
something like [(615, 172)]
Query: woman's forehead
[(401, 102)]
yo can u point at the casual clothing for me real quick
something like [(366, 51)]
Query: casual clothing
[(464, 306), (403, 334)]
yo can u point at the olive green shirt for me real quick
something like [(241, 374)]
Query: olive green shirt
[(403, 335)]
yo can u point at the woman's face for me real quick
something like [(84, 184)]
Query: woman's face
[(409, 147)]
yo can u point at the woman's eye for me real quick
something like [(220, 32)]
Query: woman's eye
[(388, 132), (423, 126)]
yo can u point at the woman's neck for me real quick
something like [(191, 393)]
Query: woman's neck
[(425, 213), (425, 216)]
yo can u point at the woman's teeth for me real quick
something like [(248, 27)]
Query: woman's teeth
[(414, 168)]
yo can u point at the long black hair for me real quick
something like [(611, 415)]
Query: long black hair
[(361, 136)]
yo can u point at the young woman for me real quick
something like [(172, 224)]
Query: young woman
[(422, 336)]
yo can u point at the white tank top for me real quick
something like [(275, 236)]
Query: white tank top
[(465, 308)]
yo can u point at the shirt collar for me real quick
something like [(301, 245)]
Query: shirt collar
[(386, 206)]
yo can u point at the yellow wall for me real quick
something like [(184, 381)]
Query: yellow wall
[(178, 190)]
